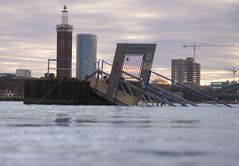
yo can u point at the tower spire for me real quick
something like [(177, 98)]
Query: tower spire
[(64, 46), (64, 15)]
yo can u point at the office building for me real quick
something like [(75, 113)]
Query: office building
[(24, 73), (186, 71), (64, 47), (86, 48)]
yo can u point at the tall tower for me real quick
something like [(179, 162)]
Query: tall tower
[(64, 47), (86, 48)]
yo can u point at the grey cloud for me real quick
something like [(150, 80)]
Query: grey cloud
[(170, 24)]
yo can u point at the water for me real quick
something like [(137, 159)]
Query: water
[(36, 135)]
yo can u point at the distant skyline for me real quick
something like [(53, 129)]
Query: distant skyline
[(28, 34)]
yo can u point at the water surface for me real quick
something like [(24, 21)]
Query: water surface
[(38, 135)]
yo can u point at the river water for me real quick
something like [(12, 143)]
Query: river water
[(38, 135)]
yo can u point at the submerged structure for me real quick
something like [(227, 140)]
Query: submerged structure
[(129, 83)]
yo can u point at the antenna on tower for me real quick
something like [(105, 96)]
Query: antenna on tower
[(65, 7)]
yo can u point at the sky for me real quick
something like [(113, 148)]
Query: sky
[(28, 34)]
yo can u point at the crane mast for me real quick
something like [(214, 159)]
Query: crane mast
[(233, 70), (194, 46)]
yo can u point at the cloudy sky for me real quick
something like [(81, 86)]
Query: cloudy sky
[(28, 35)]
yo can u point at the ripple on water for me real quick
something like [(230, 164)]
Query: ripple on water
[(165, 153), (189, 123)]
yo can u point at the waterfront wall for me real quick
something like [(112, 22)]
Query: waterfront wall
[(57, 91)]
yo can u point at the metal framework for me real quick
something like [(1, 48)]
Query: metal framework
[(56, 60), (133, 59), (140, 94), (128, 82)]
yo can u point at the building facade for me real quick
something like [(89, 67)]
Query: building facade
[(7, 76), (24, 73), (219, 85), (86, 48), (186, 71), (64, 47)]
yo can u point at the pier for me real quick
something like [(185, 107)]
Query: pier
[(128, 84)]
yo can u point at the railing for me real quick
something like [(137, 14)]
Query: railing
[(157, 91), (135, 92), (105, 65), (168, 95), (135, 88), (143, 92), (191, 89)]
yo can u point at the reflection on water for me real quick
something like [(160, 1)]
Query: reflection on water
[(186, 123), (161, 153), (65, 120), (28, 125), (62, 120), (88, 135)]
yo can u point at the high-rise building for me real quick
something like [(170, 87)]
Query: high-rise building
[(24, 73), (64, 47), (86, 48), (186, 71)]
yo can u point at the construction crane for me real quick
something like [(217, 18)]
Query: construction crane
[(194, 46), (233, 70), (194, 49)]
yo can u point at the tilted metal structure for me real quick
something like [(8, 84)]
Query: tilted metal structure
[(128, 83)]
